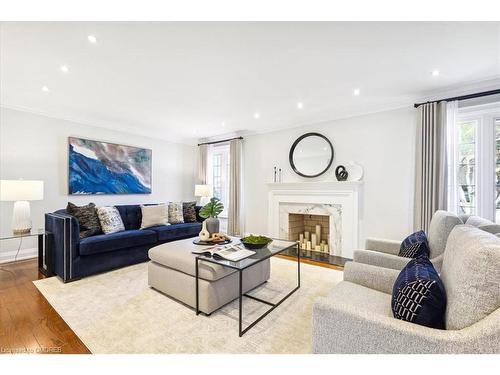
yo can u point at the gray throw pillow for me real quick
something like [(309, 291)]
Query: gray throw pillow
[(110, 219), (175, 215), (189, 212), (87, 218)]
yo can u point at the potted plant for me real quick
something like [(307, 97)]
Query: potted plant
[(210, 212)]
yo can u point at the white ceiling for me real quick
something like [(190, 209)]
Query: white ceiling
[(181, 81)]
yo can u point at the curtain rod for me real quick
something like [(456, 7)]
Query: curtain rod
[(463, 97), (221, 141)]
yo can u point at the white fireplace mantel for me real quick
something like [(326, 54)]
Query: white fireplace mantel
[(315, 197)]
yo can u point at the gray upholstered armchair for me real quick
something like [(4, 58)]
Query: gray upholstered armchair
[(357, 318), (384, 253)]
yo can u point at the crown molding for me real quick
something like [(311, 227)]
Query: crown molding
[(94, 124)]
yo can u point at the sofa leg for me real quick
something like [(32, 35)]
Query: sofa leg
[(71, 280)]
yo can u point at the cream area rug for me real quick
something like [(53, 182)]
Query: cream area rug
[(117, 312)]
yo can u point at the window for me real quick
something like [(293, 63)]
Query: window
[(474, 161), (466, 182), (218, 178)]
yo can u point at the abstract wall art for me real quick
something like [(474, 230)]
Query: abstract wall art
[(107, 168)]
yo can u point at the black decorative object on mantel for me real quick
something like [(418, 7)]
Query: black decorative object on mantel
[(341, 173)]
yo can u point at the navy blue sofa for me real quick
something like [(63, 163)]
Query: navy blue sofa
[(74, 258)]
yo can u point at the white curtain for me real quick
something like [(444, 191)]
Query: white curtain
[(451, 118), (202, 164), (235, 212), (430, 170)]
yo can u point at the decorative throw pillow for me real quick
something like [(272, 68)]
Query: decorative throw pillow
[(87, 218), (189, 212), (154, 215), (110, 219), (175, 215), (414, 245), (418, 295)]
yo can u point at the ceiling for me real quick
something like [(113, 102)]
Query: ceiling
[(185, 81)]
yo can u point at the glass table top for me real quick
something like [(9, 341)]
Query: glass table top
[(8, 233), (275, 247)]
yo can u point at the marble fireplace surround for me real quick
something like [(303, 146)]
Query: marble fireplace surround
[(338, 200)]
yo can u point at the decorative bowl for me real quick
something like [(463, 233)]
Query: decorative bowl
[(255, 242)]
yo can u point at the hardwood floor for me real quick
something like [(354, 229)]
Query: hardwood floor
[(28, 324)]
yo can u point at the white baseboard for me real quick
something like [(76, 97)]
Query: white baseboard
[(9, 256)]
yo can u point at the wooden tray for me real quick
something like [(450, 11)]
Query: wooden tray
[(205, 243)]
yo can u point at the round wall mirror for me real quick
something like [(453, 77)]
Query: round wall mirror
[(311, 155)]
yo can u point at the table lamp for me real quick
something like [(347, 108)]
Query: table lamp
[(202, 191), (21, 192)]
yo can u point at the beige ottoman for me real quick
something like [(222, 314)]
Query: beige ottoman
[(172, 271)]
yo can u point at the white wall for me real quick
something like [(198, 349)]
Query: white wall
[(35, 147), (383, 143)]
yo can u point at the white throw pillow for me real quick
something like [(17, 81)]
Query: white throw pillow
[(110, 219), (154, 215)]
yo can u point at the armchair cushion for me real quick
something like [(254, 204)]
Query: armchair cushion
[(471, 276), (490, 228), (373, 277), (418, 295), (477, 221), (383, 246), (379, 259), (441, 225)]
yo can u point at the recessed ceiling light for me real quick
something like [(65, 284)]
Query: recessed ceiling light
[(300, 105), (92, 39), (45, 89), (356, 92), (64, 69), (256, 115), (435, 72)]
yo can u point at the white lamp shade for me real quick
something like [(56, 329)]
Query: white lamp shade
[(201, 191), (21, 190)]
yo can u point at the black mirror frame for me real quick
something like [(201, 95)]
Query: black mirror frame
[(292, 149)]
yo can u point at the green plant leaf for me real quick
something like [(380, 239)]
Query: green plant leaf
[(212, 208)]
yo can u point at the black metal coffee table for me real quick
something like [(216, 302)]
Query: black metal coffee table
[(274, 248)]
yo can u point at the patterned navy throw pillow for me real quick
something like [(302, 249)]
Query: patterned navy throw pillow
[(414, 245), (418, 295)]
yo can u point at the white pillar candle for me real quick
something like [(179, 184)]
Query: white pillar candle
[(306, 236), (301, 237), (318, 232), (327, 249), (317, 248), (313, 240), (308, 245)]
